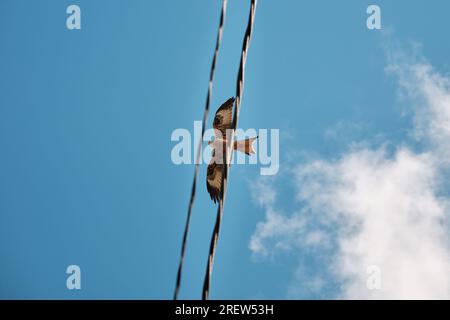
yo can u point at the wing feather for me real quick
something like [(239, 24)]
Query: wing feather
[(223, 118), (214, 180)]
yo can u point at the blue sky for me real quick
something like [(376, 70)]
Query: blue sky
[(86, 118)]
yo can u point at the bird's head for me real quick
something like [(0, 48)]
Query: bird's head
[(211, 141)]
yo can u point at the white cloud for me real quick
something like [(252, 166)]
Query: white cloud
[(344, 129), (388, 209), (389, 215), (430, 92)]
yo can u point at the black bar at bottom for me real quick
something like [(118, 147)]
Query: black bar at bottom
[(226, 309)]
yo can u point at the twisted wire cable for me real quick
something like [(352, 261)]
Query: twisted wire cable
[(199, 148), (228, 154)]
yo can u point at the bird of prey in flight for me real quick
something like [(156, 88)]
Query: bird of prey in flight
[(222, 123)]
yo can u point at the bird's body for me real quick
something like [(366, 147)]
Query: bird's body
[(222, 123)]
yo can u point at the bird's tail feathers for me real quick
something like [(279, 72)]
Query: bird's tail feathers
[(245, 146)]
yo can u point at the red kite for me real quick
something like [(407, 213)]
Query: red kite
[(222, 123)]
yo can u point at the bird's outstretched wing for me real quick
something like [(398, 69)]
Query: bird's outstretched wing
[(223, 118), (222, 121), (214, 180)]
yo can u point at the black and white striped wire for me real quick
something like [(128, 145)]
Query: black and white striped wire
[(199, 148), (228, 154)]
